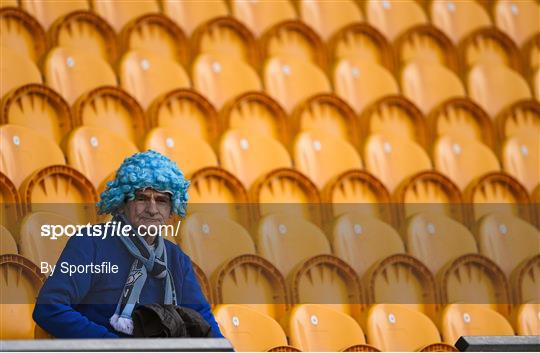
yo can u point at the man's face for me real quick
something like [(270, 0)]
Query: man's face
[(149, 207)]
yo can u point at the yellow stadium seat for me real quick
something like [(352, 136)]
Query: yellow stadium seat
[(524, 280), (327, 17), (190, 14), (46, 12), (146, 75), (20, 284), (16, 70), (249, 155), (495, 86), (436, 239), (7, 243), (72, 72), (392, 159), (39, 108), (220, 78), (463, 159), (190, 153), (519, 19), (315, 327), (96, 152), (528, 320), (225, 36), (361, 82), (261, 15), (521, 118), (291, 80), (25, 151), (10, 204), (395, 327), (458, 18), (507, 240), (84, 30), (361, 240), (394, 17), (248, 329), (113, 109), (472, 320), (521, 159), (185, 110), (321, 156), (119, 13), (22, 33), (428, 84)]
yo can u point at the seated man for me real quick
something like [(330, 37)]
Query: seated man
[(147, 190)]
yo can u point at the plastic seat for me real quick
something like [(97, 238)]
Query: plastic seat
[(527, 321), (521, 118), (22, 33), (47, 12), (190, 153), (7, 243), (327, 17), (495, 86), (436, 239), (39, 108), (16, 70), (248, 329), (428, 84), (72, 72), (25, 151), (521, 159), (84, 30), (146, 75), (472, 320), (392, 159), (458, 18), (118, 14), (190, 14), (517, 18), (462, 159), (393, 18), (10, 204), (361, 82), (507, 240), (96, 152), (291, 80), (249, 155), (261, 15), (394, 327), (220, 78), (322, 156), (524, 281)]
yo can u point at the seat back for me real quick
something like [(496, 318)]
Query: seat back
[(16, 70), (527, 322), (190, 14), (327, 18), (517, 18), (47, 12), (521, 159), (458, 18), (261, 15), (393, 18), (22, 33), (119, 13)]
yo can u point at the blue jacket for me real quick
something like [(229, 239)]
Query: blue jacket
[(80, 305)]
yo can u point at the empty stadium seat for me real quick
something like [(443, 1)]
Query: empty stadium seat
[(7, 243), (472, 320), (190, 153), (321, 156), (96, 152), (458, 18), (521, 118), (22, 33), (39, 108), (46, 12), (16, 70), (395, 327), (119, 13), (361, 82), (428, 84), (527, 322), (146, 75), (463, 159), (495, 86), (10, 204), (394, 17), (249, 155), (261, 15), (328, 17), (517, 18), (72, 72), (392, 159), (521, 159), (190, 14), (291, 80), (25, 151), (220, 78)]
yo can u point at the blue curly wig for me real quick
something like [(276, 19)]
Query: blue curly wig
[(148, 169)]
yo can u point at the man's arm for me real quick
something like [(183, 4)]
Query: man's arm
[(54, 310)]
